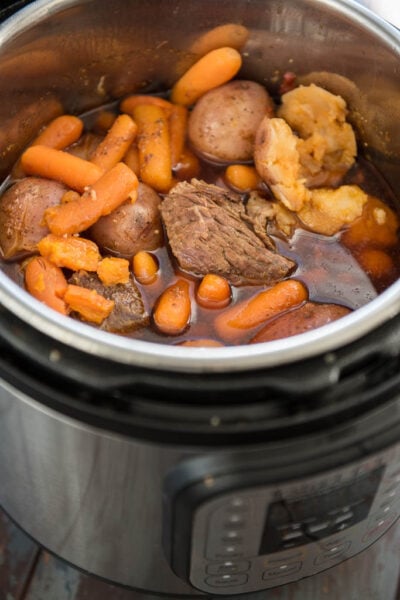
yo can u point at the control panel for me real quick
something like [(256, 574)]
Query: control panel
[(246, 538)]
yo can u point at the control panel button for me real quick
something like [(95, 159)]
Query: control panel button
[(231, 551), (228, 567), (234, 520), (231, 530), (378, 523), (219, 581), (237, 504), (379, 518), (332, 552), (282, 570), (233, 536)]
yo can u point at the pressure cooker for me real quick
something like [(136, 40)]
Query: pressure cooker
[(197, 472)]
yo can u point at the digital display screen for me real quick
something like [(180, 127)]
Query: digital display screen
[(290, 523)]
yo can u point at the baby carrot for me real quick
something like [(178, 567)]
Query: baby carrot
[(154, 146), (47, 283), (71, 170), (229, 34), (104, 196), (91, 305), (71, 252), (114, 146), (212, 70), (60, 133), (213, 292), (129, 104), (376, 262), (242, 177), (145, 267), (112, 270), (172, 313), (177, 127), (131, 159), (378, 225), (245, 316)]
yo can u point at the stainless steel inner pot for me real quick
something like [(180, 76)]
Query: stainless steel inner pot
[(86, 53)]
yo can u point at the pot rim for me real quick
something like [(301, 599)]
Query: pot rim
[(126, 350), (130, 351)]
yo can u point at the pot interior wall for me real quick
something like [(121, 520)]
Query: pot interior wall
[(72, 56)]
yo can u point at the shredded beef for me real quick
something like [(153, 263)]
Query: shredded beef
[(128, 313), (209, 232)]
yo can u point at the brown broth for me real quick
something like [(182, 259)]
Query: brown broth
[(328, 269)]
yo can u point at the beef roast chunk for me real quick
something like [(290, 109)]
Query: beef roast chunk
[(128, 314), (208, 232)]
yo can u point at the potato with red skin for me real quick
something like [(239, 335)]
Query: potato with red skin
[(223, 123), (132, 227), (22, 208), (308, 316)]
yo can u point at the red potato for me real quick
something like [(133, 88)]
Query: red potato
[(299, 320), (21, 214), (236, 322), (223, 123), (132, 227)]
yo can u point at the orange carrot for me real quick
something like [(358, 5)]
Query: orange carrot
[(188, 166), (376, 263), (91, 305), (172, 313), (213, 292), (71, 252), (229, 34), (242, 178), (131, 159), (129, 104), (145, 267), (114, 146), (212, 70), (178, 127), (243, 317), (47, 283), (378, 225), (60, 133), (112, 270), (75, 172), (154, 146), (104, 196)]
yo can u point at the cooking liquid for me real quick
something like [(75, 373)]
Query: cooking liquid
[(327, 268)]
